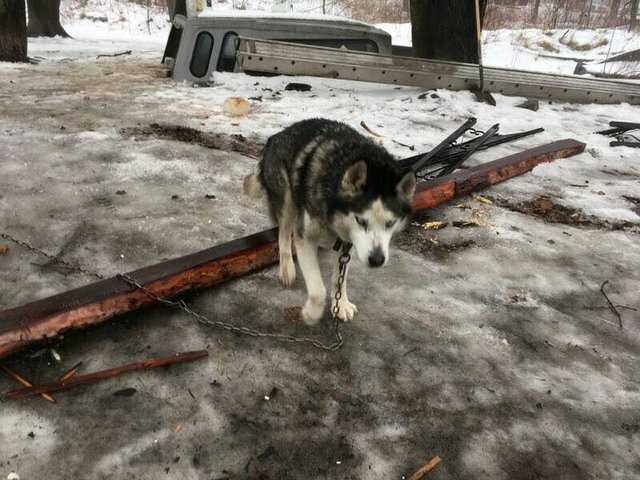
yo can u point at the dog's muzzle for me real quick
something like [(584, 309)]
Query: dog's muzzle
[(376, 258)]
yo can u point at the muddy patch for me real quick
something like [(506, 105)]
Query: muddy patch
[(419, 241), (217, 141), (545, 208)]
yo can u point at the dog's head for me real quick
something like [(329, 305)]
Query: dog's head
[(374, 201)]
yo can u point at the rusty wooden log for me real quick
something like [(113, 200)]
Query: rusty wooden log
[(79, 380), (99, 301)]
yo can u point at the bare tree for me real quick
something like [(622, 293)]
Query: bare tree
[(445, 29), (13, 31), (633, 21), (44, 19), (614, 7), (535, 11)]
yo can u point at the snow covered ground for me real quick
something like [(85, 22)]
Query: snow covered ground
[(491, 346)]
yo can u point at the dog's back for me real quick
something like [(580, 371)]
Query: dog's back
[(307, 161)]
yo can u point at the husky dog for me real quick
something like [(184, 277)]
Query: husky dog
[(325, 181)]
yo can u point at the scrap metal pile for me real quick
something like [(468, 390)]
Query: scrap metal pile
[(626, 134)]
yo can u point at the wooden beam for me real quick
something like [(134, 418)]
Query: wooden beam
[(102, 300), (99, 301)]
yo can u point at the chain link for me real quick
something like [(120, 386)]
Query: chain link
[(343, 260), (475, 131), (52, 258)]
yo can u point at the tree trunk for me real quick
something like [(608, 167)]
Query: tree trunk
[(44, 18), (535, 11), (13, 31), (613, 9), (633, 21), (445, 29)]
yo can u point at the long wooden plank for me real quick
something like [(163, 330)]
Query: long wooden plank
[(99, 301)]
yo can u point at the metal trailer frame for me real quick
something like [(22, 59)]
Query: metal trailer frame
[(269, 56), (222, 31)]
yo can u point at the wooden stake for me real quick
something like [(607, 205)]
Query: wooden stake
[(79, 380)]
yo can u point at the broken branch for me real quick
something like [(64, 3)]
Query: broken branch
[(117, 54), (366, 127), (410, 147), (426, 468), (20, 379), (612, 307), (79, 380)]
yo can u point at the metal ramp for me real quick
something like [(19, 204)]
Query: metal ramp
[(268, 56)]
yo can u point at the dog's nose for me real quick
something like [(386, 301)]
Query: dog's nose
[(376, 258)]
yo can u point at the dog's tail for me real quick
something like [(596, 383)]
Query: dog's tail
[(252, 187)]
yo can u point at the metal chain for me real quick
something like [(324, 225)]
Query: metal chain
[(52, 258), (343, 260), (180, 304)]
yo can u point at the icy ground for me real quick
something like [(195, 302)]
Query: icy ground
[(490, 346)]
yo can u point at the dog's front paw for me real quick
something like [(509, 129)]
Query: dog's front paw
[(346, 309), (287, 271), (312, 312)]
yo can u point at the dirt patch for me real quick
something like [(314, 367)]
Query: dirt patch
[(551, 212), (217, 141), (415, 239)]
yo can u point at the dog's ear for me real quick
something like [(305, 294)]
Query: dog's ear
[(354, 180), (406, 187)]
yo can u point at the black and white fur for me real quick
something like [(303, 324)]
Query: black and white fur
[(323, 180)]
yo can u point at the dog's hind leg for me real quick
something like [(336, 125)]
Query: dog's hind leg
[(346, 309), (286, 223), (307, 251)]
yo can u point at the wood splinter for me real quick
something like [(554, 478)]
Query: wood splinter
[(426, 468), (71, 380), (20, 379)]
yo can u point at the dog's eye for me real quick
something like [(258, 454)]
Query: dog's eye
[(390, 224), (362, 222)]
